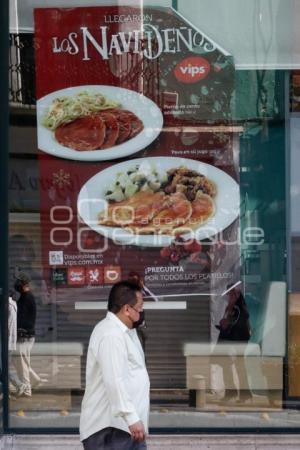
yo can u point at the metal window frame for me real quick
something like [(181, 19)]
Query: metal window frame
[(4, 127), (195, 431), (168, 431)]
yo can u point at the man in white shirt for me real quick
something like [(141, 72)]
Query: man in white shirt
[(115, 406)]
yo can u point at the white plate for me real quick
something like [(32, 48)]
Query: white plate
[(144, 108), (91, 201)]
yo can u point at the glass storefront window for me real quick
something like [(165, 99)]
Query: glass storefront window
[(3, 211), (106, 119)]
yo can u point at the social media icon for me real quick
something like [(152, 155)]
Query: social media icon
[(112, 274), (94, 275), (76, 276)]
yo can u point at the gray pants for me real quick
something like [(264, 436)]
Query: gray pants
[(26, 374), (112, 439)]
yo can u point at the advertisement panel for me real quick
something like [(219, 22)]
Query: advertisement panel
[(137, 153)]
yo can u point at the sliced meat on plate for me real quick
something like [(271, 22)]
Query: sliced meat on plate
[(171, 212), (136, 124), (83, 134), (139, 210), (112, 129), (130, 124), (203, 208)]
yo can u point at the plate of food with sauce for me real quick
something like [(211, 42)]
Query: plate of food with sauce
[(96, 122), (150, 201)]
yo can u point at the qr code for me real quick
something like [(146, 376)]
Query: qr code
[(56, 258)]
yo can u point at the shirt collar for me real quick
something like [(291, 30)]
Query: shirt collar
[(111, 316)]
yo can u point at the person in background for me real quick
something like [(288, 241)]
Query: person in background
[(22, 256), (235, 327), (26, 318), (15, 384), (136, 278), (12, 324), (115, 406)]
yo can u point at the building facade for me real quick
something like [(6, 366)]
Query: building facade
[(196, 108)]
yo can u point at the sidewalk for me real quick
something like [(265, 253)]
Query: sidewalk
[(158, 442)]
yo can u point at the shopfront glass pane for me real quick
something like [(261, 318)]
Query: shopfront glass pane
[(199, 149), (294, 238), (3, 212), (260, 35)]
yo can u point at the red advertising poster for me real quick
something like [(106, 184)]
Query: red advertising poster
[(137, 152)]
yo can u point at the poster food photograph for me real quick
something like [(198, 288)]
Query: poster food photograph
[(137, 145)]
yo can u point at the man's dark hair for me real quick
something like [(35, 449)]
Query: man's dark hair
[(24, 278), (122, 293), (241, 297)]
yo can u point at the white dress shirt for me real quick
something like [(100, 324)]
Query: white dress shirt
[(12, 324), (117, 382)]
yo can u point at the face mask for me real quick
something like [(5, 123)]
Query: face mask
[(141, 320), (18, 286)]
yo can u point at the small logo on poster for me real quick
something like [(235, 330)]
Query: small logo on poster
[(76, 276), (192, 69), (56, 258), (94, 275), (112, 274), (59, 276)]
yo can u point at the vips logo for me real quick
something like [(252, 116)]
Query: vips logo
[(192, 69)]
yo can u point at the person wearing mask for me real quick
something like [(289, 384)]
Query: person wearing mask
[(235, 327), (26, 317), (134, 277), (115, 406)]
